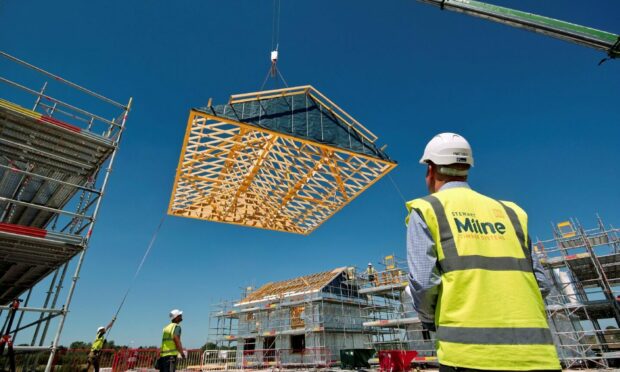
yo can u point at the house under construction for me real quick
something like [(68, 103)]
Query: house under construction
[(266, 327), (55, 162), (309, 320), (305, 321)]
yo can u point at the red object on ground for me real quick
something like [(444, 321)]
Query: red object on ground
[(396, 360)]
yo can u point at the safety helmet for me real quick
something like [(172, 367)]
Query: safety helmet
[(100, 329), (174, 313), (370, 264), (446, 149)]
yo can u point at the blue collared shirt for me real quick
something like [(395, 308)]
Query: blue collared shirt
[(424, 276)]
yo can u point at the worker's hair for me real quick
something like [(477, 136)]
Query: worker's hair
[(451, 172)]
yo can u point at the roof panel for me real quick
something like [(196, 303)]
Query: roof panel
[(304, 113), (284, 160)]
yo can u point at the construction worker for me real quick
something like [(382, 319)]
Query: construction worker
[(95, 351), (371, 273), (473, 277), (171, 347)]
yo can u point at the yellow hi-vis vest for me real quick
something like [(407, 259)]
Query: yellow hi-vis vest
[(490, 313), (98, 343), (168, 347)]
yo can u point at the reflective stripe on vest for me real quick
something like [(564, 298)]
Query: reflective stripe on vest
[(453, 261), (168, 347), (495, 336), (519, 230), (489, 313)]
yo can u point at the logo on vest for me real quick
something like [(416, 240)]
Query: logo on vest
[(476, 229)]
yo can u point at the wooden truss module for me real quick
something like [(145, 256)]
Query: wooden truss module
[(284, 160)]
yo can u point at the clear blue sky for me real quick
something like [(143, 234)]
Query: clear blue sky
[(541, 116)]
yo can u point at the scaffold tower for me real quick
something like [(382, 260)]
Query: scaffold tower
[(392, 322), (584, 307), (58, 143)]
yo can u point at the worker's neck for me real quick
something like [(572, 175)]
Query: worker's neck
[(438, 184)]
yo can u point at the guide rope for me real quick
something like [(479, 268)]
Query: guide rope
[(135, 276)]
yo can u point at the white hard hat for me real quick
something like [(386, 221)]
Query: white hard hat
[(408, 292), (369, 264), (100, 329), (446, 149), (174, 313)]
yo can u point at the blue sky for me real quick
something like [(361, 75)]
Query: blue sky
[(541, 116)]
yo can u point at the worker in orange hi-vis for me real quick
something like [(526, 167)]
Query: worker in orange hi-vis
[(474, 278)]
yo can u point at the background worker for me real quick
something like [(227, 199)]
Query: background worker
[(171, 347), (473, 276), (95, 351), (371, 273)]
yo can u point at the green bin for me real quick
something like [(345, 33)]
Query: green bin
[(355, 358)]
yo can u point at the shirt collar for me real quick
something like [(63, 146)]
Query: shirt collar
[(454, 184)]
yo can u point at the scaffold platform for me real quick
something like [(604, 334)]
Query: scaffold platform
[(55, 160), (44, 162)]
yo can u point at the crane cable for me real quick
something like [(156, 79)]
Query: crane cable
[(397, 188), (135, 276), (275, 27), (274, 71)]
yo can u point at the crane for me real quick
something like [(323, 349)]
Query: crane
[(590, 37)]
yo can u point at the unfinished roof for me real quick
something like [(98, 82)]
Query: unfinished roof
[(293, 287), (283, 160)]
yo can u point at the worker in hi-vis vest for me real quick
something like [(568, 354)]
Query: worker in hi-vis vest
[(171, 347), (474, 279), (95, 350), (371, 273)]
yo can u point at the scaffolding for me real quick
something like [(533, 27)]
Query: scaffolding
[(303, 322), (285, 160), (583, 308), (55, 162), (391, 320), (308, 321)]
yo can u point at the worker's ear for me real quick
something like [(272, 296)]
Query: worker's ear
[(430, 178), (431, 171)]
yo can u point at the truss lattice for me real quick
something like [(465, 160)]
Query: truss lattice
[(234, 171)]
